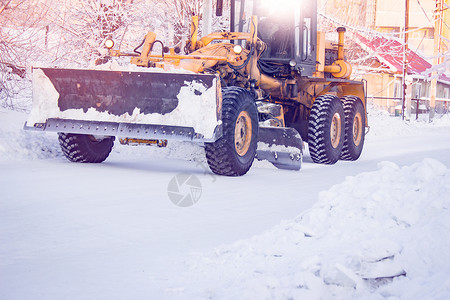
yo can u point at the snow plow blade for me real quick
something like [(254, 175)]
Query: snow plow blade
[(282, 146), (132, 104)]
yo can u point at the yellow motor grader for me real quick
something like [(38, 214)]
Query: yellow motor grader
[(243, 94)]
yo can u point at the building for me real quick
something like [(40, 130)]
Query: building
[(384, 71), (378, 58), (390, 18)]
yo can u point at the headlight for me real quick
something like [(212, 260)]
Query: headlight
[(237, 49), (109, 44)]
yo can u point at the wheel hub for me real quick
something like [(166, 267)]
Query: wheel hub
[(335, 130), (357, 129), (242, 133)]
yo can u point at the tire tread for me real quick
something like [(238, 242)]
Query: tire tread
[(79, 148), (319, 118), (220, 155)]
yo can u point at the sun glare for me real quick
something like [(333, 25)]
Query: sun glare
[(279, 7)]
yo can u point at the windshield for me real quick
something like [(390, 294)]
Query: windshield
[(276, 27)]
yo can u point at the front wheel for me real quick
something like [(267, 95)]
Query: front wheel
[(355, 121), (326, 129), (234, 152), (85, 148)]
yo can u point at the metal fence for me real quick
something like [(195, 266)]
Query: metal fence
[(418, 105)]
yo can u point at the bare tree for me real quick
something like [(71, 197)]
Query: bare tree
[(83, 26), (21, 24), (176, 16)]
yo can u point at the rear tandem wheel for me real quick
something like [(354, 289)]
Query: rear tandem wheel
[(326, 128), (355, 120)]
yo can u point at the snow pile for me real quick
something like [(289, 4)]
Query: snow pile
[(16, 143), (383, 234), (383, 125), (443, 121)]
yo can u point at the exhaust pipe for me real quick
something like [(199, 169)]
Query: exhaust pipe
[(340, 68)]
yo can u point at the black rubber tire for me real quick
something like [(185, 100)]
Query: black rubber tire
[(355, 119), (222, 156), (321, 148), (85, 148)]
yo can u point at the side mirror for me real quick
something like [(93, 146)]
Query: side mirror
[(219, 8)]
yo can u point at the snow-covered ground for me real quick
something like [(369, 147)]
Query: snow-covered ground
[(371, 229)]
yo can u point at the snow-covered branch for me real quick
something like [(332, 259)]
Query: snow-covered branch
[(21, 24)]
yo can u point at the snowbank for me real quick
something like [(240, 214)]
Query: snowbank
[(383, 234), (383, 125), (17, 144)]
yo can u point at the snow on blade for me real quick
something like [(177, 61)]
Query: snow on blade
[(379, 233), (278, 148), (197, 108)]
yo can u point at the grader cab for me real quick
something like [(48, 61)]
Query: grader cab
[(259, 90)]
